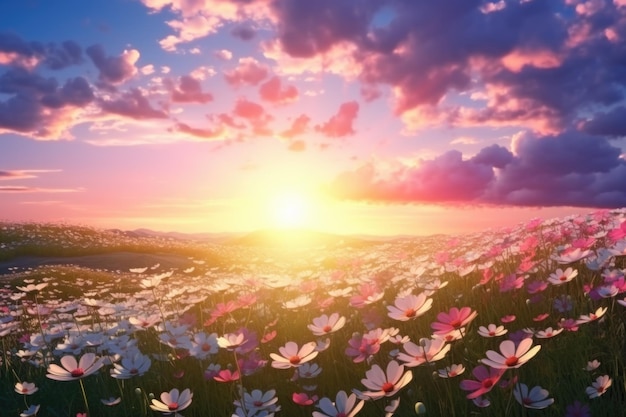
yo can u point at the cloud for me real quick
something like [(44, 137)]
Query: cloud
[(297, 146), (299, 126), (188, 90), (255, 114), (38, 107), (24, 173), (113, 70), (134, 105), (611, 123), (23, 189), (569, 169), (200, 133), (249, 71), (245, 33), (341, 123), (273, 91), (62, 56)]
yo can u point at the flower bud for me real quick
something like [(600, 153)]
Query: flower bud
[(138, 391), (420, 408)]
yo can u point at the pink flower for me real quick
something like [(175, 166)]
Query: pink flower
[(72, 370), (599, 387), (508, 319), (561, 277), (486, 377), (292, 356), (427, 351), (409, 307), (324, 324), (584, 318), (385, 384), (226, 375), (303, 398), (344, 405), (453, 320), (172, 401), (491, 330), (511, 356)]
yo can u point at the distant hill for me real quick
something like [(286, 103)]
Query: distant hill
[(295, 238), (199, 237)]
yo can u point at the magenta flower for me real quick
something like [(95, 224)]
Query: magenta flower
[(486, 379), (453, 320)]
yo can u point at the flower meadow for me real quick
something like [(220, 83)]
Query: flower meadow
[(526, 321)]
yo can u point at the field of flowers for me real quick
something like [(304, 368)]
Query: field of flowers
[(528, 321)]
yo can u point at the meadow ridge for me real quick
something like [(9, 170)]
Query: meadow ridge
[(524, 321)]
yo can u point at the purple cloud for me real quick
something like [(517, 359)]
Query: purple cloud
[(188, 90), (113, 70), (611, 123), (133, 104), (569, 169)]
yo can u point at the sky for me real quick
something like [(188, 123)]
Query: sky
[(377, 117)]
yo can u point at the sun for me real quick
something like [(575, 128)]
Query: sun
[(290, 209)]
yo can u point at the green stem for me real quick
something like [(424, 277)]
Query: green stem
[(82, 388)]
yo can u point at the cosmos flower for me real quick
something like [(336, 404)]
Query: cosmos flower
[(130, 366), (344, 405), (599, 387), (486, 379), (409, 307), (454, 319), (30, 411), (258, 400), (561, 277), (32, 287), (172, 401), (385, 384), (324, 324), (292, 356), (426, 351), (536, 398), (511, 356), (547, 333), (26, 388), (491, 330), (71, 370), (584, 318), (451, 371)]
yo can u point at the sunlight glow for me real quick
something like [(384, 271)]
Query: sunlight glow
[(290, 209)]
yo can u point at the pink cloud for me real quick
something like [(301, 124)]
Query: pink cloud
[(255, 114), (273, 91), (198, 132), (249, 71), (341, 123), (24, 189), (24, 173), (297, 146), (298, 127)]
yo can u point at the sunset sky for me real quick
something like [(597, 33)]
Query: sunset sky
[(349, 116)]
